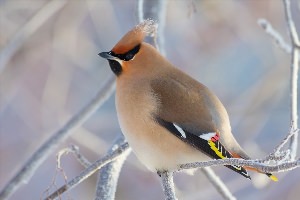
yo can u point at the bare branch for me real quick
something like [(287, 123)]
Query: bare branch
[(267, 26), (48, 147), (109, 174), (168, 185), (218, 183), (81, 159), (277, 153), (291, 24), (47, 11), (294, 74), (120, 150), (156, 10)]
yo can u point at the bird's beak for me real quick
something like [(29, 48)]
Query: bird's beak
[(107, 55)]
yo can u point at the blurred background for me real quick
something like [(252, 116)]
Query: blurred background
[(55, 71)]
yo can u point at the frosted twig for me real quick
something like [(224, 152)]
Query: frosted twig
[(91, 170), (277, 153), (48, 147), (286, 166), (267, 26), (294, 73), (109, 174), (75, 151), (81, 159), (217, 183), (168, 185), (47, 11)]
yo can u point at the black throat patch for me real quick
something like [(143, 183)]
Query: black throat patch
[(115, 66)]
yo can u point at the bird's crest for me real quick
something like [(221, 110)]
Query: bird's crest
[(135, 36)]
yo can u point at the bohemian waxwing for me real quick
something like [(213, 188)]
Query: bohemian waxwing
[(167, 117)]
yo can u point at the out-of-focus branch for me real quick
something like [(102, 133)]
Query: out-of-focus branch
[(267, 26), (109, 174), (47, 11), (294, 73), (117, 151), (48, 147), (218, 183), (155, 10), (168, 185)]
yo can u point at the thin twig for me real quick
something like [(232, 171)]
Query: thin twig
[(81, 159), (109, 174), (46, 12), (218, 183), (48, 147), (277, 151), (90, 170), (168, 185), (267, 26), (294, 74)]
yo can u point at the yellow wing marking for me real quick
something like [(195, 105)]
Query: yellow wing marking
[(217, 151)]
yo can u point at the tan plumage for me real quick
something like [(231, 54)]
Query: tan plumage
[(164, 113)]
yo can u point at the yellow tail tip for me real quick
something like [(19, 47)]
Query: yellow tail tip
[(273, 178)]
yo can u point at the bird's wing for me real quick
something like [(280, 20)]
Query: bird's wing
[(183, 111)]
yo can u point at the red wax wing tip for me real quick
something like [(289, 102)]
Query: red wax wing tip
[(215, 138)]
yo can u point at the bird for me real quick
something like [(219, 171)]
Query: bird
[(168, 117)]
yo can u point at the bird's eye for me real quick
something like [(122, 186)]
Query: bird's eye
[(130, 54), (115, 67)]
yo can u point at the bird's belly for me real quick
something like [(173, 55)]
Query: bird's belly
[(158, 149), (154, 145)]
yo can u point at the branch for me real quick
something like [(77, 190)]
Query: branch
[(114, 154), (168, 185), (48, 147), (156, 10), (267, 26), (109, 174), (28, 29), (218, 183), (286, 166), (277, 154), (75, 150), (294, 74)]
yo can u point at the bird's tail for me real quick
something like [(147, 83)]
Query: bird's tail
[(245, 156), (239, 169)]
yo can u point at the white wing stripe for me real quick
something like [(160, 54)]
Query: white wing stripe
[(207, 136), (180, 131)]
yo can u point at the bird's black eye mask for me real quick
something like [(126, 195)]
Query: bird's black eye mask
[(128, 55)]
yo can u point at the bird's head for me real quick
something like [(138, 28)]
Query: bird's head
[(131, 52)]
